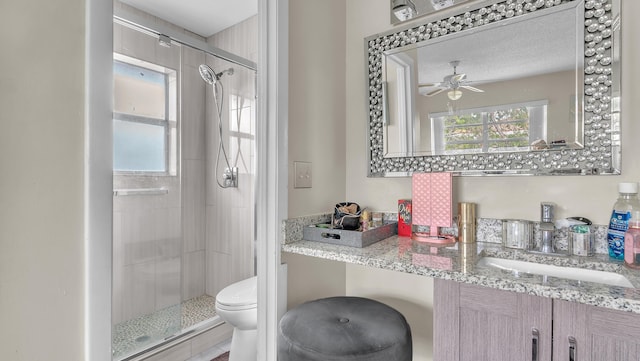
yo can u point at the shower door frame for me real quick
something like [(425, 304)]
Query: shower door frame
[(271, 184), (127, 18), (120, 14)]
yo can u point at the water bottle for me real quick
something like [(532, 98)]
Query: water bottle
[(619, 222)]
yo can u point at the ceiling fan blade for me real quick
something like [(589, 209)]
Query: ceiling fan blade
[(432, 93), (472, 88), (459, 77), (429, 85)]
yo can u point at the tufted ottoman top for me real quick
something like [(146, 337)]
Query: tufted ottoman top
[(344, 328)]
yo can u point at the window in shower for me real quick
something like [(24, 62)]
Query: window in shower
[(144, 126), (241, 115)]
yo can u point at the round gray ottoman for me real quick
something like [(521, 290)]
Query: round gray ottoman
[(344, 328)]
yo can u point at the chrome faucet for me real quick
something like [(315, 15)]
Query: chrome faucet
[(547, 228)]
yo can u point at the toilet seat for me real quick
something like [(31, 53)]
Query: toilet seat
[(220, 307), (239, 296)]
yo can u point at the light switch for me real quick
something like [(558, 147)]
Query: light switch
[(302, 171)]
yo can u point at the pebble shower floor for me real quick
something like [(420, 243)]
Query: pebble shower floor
[(134, 335)]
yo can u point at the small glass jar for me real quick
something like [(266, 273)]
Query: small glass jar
[(581, 240), (517, 233)]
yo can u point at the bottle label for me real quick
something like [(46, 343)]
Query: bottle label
[(615, 236)]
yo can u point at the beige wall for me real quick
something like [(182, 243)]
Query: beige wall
[(317, 104), (41, 181), (409, 294)]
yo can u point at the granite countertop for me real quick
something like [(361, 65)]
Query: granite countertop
[(458, 263)]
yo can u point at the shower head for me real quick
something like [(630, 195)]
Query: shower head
[(210, 76)]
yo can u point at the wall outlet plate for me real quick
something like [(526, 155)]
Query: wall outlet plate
[(302, 174)]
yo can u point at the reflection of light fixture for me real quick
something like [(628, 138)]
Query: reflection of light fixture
[(403, 9), (441, 4), (454, 94)]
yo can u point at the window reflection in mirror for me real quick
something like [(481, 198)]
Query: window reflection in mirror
[(507, 128)]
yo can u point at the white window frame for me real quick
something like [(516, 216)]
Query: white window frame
[(169, 122)]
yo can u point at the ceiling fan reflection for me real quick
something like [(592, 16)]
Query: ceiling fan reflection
[(453, 83)]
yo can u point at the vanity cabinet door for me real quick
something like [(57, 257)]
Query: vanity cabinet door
[(588, 333), (474, 323)]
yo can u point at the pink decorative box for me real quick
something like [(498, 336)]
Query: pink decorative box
[(432, 200)]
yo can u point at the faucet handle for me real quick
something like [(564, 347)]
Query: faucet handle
[(547, 211)]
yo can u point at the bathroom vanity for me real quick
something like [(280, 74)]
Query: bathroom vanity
[(478, 323), (488, 309)]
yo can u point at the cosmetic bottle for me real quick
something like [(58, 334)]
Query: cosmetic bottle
[(632, 242)]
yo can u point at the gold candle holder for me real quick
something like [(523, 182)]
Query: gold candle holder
[(466, 222)]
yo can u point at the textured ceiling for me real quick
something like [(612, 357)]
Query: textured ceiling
[(203, 17), (520, 49)]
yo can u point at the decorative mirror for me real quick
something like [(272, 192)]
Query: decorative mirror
[(509, 87)]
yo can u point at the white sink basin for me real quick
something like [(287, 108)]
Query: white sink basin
[(578, 274)]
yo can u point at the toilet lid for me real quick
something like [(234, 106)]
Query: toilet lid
[(243, 293)]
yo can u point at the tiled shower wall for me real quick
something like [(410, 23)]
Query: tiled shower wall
[(230, 212), (193, 174)]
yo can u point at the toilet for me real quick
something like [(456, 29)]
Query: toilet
[(237, 305)]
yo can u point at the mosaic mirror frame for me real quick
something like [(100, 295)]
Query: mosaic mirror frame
[(601, 114)]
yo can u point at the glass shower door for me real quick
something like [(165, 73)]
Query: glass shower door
[(147, 194)]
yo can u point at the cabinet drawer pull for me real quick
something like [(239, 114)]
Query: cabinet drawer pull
[(535, 336), (573, 349)]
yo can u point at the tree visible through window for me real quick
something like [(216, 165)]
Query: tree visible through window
[(505, 128)]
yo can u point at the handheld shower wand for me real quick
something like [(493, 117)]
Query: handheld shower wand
[(230, 175)]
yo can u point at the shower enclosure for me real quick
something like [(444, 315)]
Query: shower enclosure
[(178, 236)]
